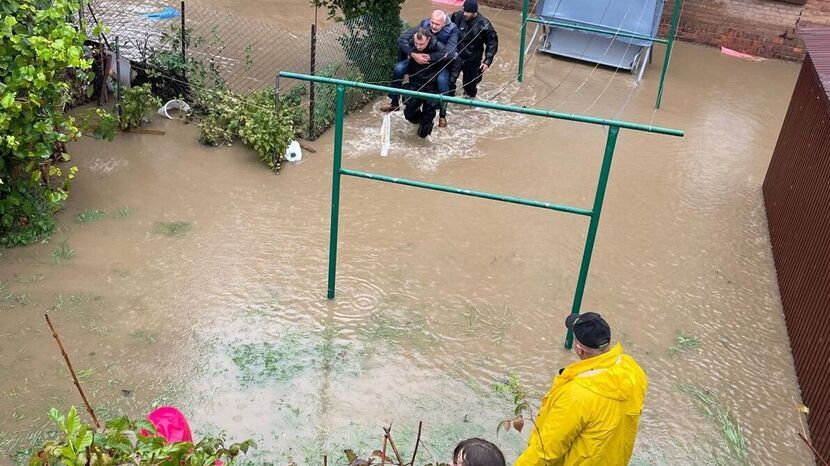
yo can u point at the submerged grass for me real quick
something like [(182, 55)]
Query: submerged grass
[(122, 213), (710, 405), (68, 302), (143, 336), (8, 295), (280, 361), (37, 277), (291, 355), (684, 343), (91, 215), (63, 252), (172, 229)]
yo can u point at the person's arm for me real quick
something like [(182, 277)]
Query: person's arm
[(438, 53), (492, 43), (550, 443), (452, 43), (405, 42)]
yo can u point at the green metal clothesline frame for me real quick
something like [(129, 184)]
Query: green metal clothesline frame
[(338, 171), (675, 17)]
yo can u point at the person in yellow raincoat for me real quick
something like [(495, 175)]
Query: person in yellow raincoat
[(591, 413)]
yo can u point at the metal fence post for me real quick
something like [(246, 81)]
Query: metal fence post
[(675, 17), (102, 97), (335, 187), (81, 17), (610, 144), (184, 45), (118, 80), (311, 83), (275, 156), (522, 35)]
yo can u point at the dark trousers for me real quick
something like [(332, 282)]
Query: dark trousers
[(470, 76), (421, 112), (443, 81)]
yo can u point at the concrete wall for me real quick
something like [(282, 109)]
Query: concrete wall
[(766, 28)]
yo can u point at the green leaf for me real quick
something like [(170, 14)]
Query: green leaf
[(8, 100)]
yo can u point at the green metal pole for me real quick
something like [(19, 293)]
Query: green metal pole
[(335, 188), (466, 192), (486, 104), (610, 143), (675, 17), (525, 6)]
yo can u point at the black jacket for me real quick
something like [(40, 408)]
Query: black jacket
[(474, 36), (448, 37), (423, 77)]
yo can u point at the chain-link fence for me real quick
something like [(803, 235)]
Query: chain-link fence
[(179, 47)]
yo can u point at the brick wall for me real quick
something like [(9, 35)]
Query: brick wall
[(766, 28)]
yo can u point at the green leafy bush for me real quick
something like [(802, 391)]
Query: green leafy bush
[(98, 123), (251, 119), (39, 48), (25, 214), (372, 38), (123, 441), (138, 104)]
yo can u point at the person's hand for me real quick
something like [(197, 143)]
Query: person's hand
[(484, 67), (420, 58)]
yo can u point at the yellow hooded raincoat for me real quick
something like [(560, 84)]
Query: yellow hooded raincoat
[(590, 414)]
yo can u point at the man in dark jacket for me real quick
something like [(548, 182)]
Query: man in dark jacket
[(423, 77), (446, 33), (477, 46)]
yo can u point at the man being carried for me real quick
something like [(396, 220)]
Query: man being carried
[(446, 33), (423, 77), (477, 46)]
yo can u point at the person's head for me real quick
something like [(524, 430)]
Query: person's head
[(477, 452), (437, 21), (470, 9), (592, 334), (421, 39)]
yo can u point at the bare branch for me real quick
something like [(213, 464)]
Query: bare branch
[(72, 371)]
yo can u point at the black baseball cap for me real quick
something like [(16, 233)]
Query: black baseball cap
[(590, 329)]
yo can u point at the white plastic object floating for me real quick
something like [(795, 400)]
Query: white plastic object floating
[(293, 153), (385, 134), (174, 104)]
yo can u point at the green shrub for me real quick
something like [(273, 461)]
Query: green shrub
[(25, 214), (39, 49), (138, 104), (124, 441), (250, 119)]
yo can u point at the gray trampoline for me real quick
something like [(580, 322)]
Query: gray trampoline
[(615, 33)]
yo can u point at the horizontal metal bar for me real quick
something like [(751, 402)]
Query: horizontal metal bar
[(467, 192), (485, 104), (610, 32)]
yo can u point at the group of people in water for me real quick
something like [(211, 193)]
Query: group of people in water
[(435, 54)]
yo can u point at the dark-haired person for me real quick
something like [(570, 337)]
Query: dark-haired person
[(424, 77), (477, 47), (440, 26), (477, 452), (591, 414)]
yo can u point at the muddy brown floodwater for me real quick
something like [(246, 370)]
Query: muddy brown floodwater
[(207, 288)]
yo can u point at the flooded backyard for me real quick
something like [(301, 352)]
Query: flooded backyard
[(202, 283)]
